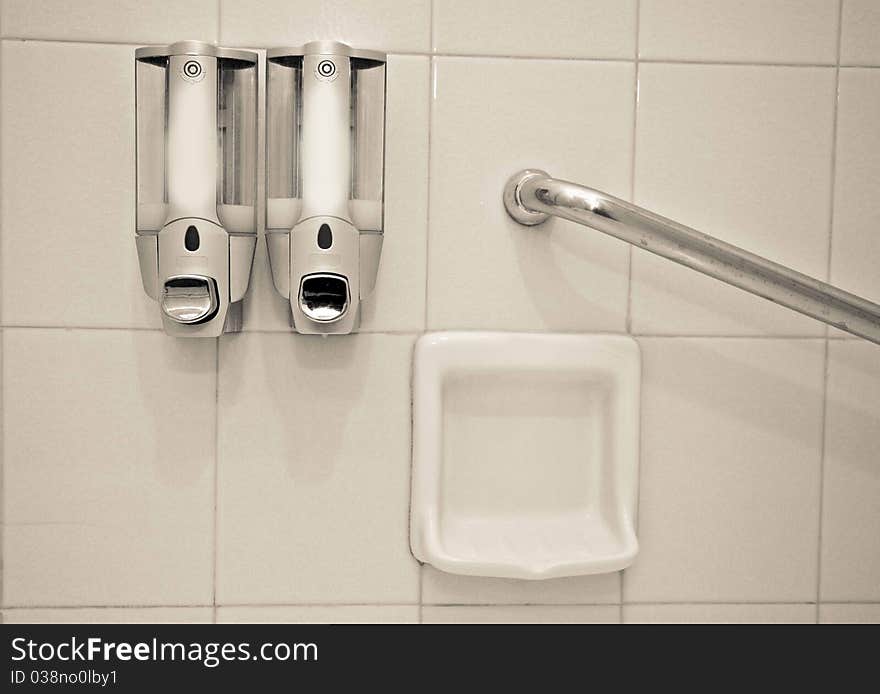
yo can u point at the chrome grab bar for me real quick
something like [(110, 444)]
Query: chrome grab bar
[(531, 196)]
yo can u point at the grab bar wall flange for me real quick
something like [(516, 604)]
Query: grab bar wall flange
[(531, 196)]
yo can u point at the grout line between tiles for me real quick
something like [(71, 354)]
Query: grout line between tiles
[(720, 602), (596, 59), (834, 117), (217, 404), (7, 608), (32, 39), (632, 169), (488, 56), (438, 604), (622, 605), (432, 87), (707, 336), (418, 332), (319, 604), (735, 63), (821, 501), (630, 254), (215, 538), (432, 76), (215, 608), (280, 331), (825, 358), (290, 331), (593, 59), (13, 326)]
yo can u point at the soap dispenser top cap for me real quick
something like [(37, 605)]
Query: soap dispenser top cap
[(325, 48), (150, 53)]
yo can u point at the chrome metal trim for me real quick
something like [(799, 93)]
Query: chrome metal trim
[(190, 299), (194, 48), (530, 196), (325, 48), (324, 314)]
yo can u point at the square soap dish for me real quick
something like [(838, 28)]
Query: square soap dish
[(525, 453)]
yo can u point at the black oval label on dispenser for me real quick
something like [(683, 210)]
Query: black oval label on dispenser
[(325, 237), (191, 239)]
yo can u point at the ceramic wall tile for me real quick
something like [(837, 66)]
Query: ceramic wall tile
[(742, 153), (67, 248), (395, 26), (758, 31), (111, 21), (729, 489), (484, 270), (762, 613), (109, 468), (855, 243), (860, 28), (562, 29), (314, 458), (851, 500)]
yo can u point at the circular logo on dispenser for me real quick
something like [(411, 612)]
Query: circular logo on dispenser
[(192, 71), (326, 70)]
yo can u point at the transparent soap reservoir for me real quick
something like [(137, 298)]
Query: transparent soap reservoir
[(196, 136), (152, 113), (237, 138), (287, 174)]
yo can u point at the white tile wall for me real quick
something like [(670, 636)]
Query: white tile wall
[(67, 253), (851, 509), (860, 29), (110, 21), (486, 271), (849, 613), (742, 153), (760, 31), (110, 615), (313, 478), (855, 249), (729, 487), (395, 26), (108, 468), (719, 614), (320, 614), (518, 614), (555, 28), (285, 497)]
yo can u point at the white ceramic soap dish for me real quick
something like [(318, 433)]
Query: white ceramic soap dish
[(525, 453)]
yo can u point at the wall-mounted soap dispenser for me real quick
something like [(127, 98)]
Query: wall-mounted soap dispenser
[(196, 182), (325, 138)]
